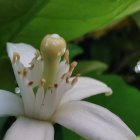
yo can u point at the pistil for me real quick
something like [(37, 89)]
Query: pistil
[(52, 48)]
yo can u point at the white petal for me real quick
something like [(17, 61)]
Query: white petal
[(10, 104), (49, 105), (85, 87), (52, 99), (35, 73), (27, 52), (92, 122), (28, 98), (62, 69), (29, 129), (38, 100)]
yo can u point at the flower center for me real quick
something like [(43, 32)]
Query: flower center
[(47, 79)]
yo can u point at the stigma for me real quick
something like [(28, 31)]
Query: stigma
[(52, 47)]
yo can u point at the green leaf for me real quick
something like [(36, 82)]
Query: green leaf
[(85, 67), (139, 138), (18, 14), (62, 133), (30, 21), (7, 79), (74, 50), (136, 17), (69, 135), (2, 122), (125, 101), (12, 10)]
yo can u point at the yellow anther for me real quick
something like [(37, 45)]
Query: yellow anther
[(75, 80), (66, 56), (55, 85), (16, 57), (67, 75), (25, 71), (30, 83), (67, 79), (19, 72), (72, 66), (43, 81)]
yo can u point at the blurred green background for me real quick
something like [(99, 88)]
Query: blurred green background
[(102, 35)]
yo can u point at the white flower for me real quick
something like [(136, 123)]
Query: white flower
[(48, 95)]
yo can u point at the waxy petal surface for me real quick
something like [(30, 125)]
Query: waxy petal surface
[(29, 129), (92, 122), (10, 104)]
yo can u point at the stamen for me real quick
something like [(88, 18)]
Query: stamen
[(63, 76), (43, 81), (72, 66), (67, 79), (16, 57), (66, 56), (52, 48), (25, 71), (67, 75), (30, 83), (31, 67), (75, 80), (37, 54), (19, 72), (55, 85)]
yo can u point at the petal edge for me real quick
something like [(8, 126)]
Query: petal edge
[(10, 104), (92, 121), (86, 87), (26, 52)]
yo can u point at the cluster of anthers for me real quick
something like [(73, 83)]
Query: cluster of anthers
[(44, 74), (66, 76)]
